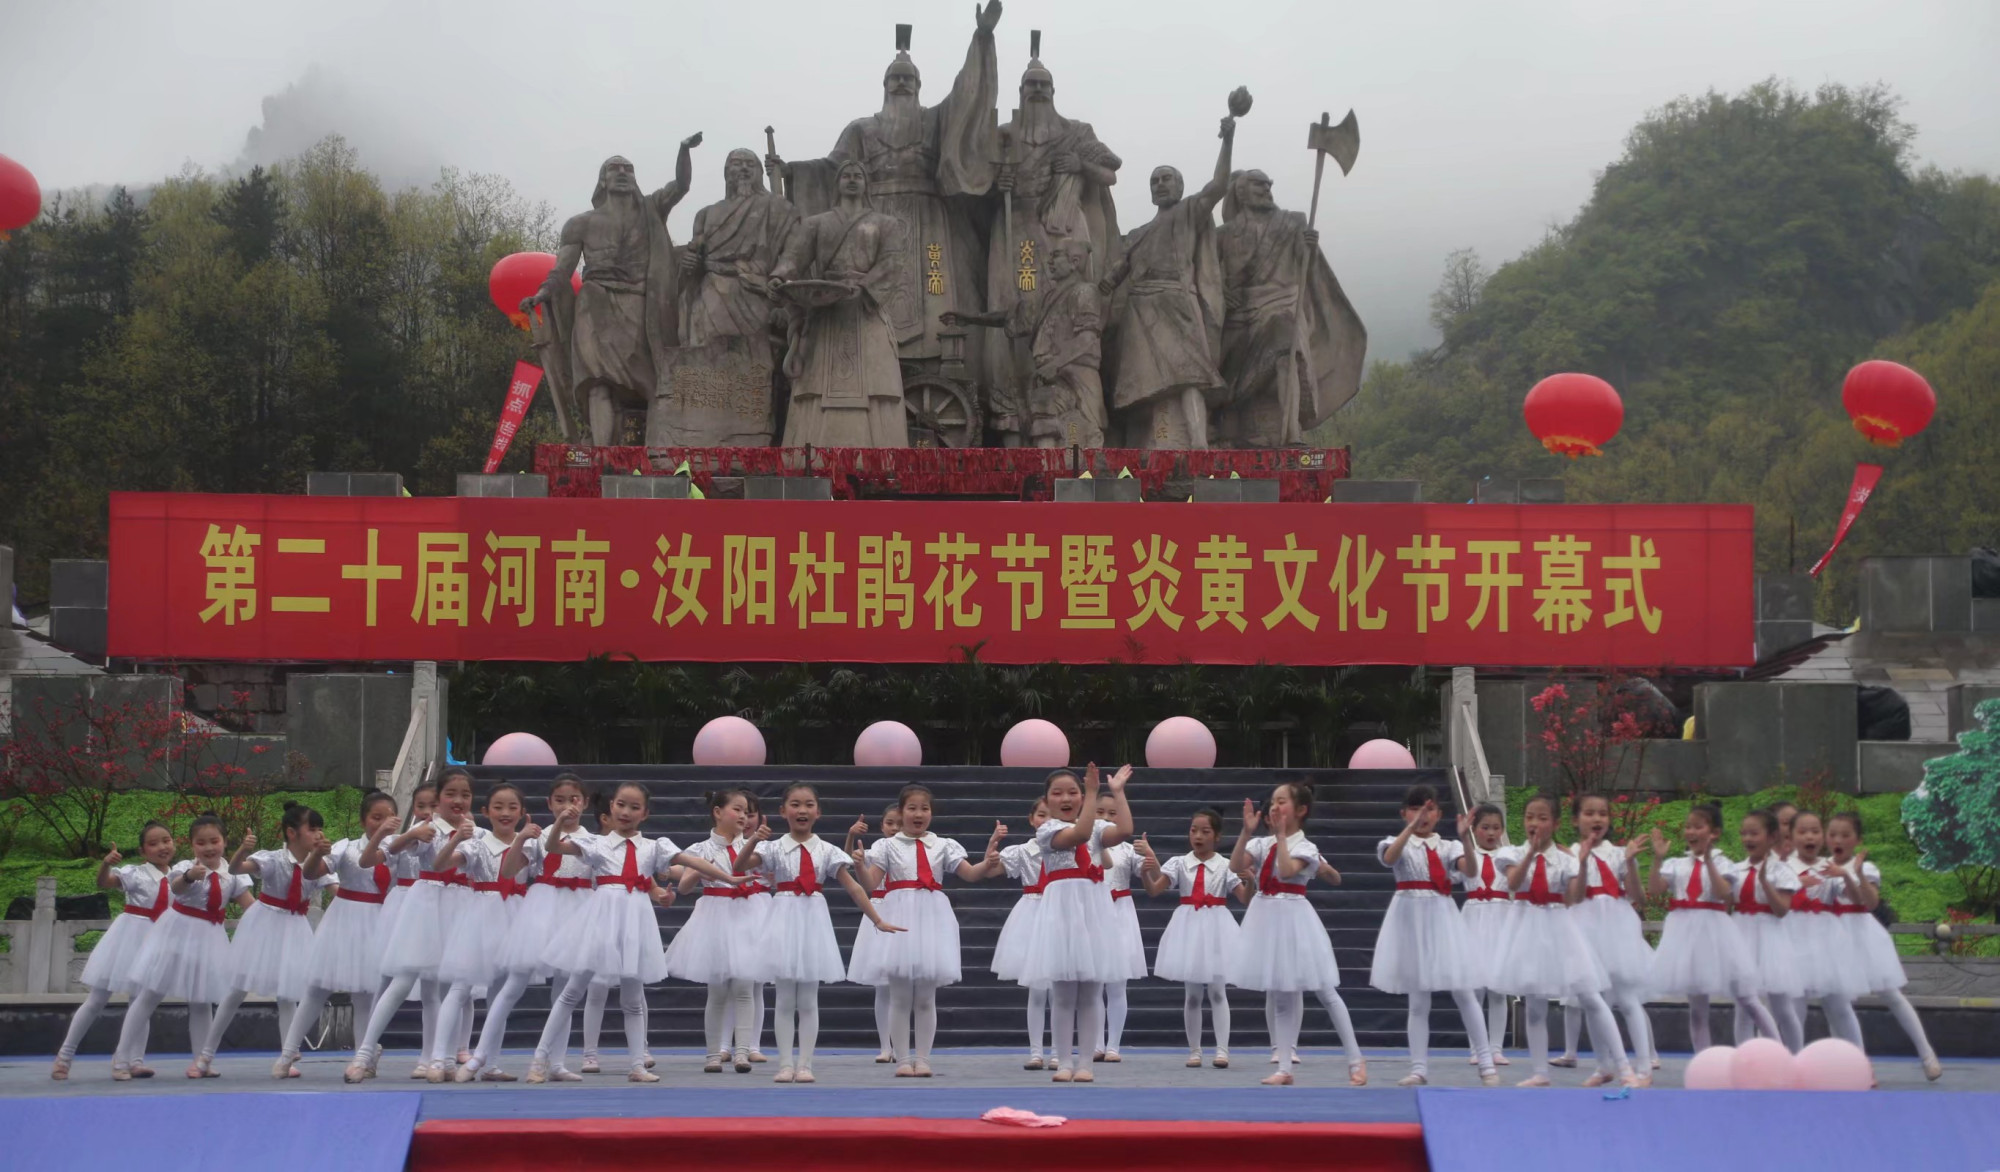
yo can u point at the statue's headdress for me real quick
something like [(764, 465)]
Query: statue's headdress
[(1036, 71), (902, 59)]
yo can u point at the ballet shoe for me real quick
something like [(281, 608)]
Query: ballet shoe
[(1061, 1075), (1221, 1060), (804, 1074), (1500, 1059), (1565, 1061), (437, 1074), (1413, 1080), (194, 1069), (1656, 1062), (463, 1057), (1489, 1078), (1598, 1079), (1933, 1069), (1277, 1079), (283, 1067), (465, 1073), (538, 1073), (141, 1070), (356, 1071), (422, 1073), (590, 1065), (559, 1074), (742, 1062), (1533, 1080), (784, 1074), (649, 1061), (757, 1055), (60, 1071), (884, 1058), (1357, 1075), (641, 1074), (120, 1072), (714, 1063), (1097, 1055), (905, 1070), (495, 1076), (1033, 1063), (1082, 1076), (1193, 1060), (1637, 1082), (1110, 1056), (921, 1067)]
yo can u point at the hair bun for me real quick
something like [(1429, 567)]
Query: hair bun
[(290, 806)]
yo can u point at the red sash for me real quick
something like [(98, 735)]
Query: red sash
[(151, 913), (1267, 877)]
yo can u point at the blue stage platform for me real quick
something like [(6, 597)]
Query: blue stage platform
[(355, 1133)]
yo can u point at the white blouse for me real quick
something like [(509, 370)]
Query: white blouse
[(277, 870), (1075, 858), (1121, 863), (1680, 870), (1296, 847), (1023, 861), (1558, 867), (778, 861), (535, 856), (1605, 857), (606, 854), (896, 857), (1184, 871), (1496, 861), (1751, 887), (221, 887), (140, 884), (343, 864), (1414, 864)]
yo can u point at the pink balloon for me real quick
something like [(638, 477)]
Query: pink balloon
[(729, 740), (519, 748), (1381, 754), (1710, 1070), (1180, 742), (1832, 1064), (1034, 744), (888, 743), (1762, 1064)]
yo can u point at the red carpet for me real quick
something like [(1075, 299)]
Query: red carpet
[(795, 1145)]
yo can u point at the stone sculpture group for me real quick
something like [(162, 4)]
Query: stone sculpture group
[(945, 278)]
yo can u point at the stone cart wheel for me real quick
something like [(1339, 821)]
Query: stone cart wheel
[(942, 413)]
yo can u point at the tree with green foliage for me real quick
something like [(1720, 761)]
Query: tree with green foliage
[(1953, 817)]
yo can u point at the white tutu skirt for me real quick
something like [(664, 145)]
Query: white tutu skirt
[(344, 957), (475, 941), (927, 950), (1489, 925), (1074, 937), (1283, 948), (111, 962), (864, 967), (799, 941), (544, 910), (724, 939), (1612, 929), (1197, 945), (1423, 946), (1767, 946), (413, 934), (271, 952), (1872, 953), (1819, 944), (1548, 957), (1131, 945), (1010, 951), (614, 937), (184, 957), (1701, 953)]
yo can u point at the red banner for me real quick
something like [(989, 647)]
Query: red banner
[(1866, 477), (520, 393), (448, 578)]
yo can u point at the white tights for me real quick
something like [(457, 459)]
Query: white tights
[(882, 1019), (226, 1013), (1496, 1021), (1419, 1026), (1602, 1026), (1218, 1003), (369, 1044), (1746, 1003), (1076, 1023), (500, 1005), (138, 1025), (593, 1019), (729, 1001), (1284, 1016), (454, 1020), (555, 1034), (1039, 1025), (1343, 1024), (86, 1015), (801, 998), (732, 1022), (912, 1002), (1632, 1007), (309, 1010), (1116, 1008)]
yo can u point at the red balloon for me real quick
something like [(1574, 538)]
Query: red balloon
[(1574, 414), (516, 278), (20, 196), (1887, 401)]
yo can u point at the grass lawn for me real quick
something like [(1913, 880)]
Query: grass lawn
[(1917, 896)]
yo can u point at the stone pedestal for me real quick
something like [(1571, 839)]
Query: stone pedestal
[(347, 725), (1098, 488), (650, 488), (1377, 492), (523, 484), (1776, 733), (787, 488), (1208, 490), (1916, 594), (354, 484)]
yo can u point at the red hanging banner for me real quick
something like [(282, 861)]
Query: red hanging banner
[(520, 393), (468, 578), (1866, 476)]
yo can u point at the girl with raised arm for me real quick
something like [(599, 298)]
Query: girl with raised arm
[(344, 957), (861, 962), (1023, 863), (143, 886), (1202, 937), (722, 944), (1700, 954), (271, 951), (1074, 948)]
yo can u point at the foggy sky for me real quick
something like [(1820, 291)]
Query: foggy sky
[(1481, 123)]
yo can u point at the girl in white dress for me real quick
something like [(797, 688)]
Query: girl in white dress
[(1202, 936), (911, 867), (413, 936), (722, 943), (143, 887), (616, 939), (1547, 957), (1423, 947), (1283, 949), (1765, 885), (403, 871), (343, 957), (1610, 924), (1856, 889), (1488, 912), (1819, 936), (271, 951), (186, 953), (861, 963), (798, 940), (1121, 868), (1700, 954), (558, 886), (1023, 864), (471, 965), (1074, 947)]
